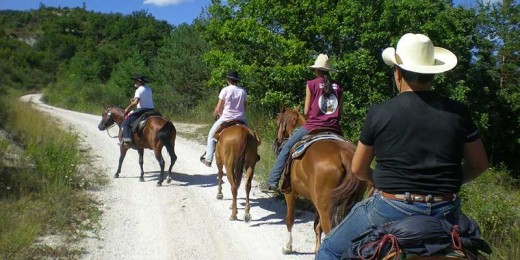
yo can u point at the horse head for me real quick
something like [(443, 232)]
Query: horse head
[(288, 120), (109, 117)]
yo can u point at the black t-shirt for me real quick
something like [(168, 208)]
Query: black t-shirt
[(418, 140)]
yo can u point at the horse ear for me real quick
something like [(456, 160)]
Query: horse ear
[(281, 106)]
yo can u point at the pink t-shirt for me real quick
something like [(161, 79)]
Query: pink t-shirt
[(234, 98)]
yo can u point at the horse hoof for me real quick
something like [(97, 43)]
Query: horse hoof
[(287, 250), (168, 180), (220, 196), (247, 217), (141, 179), (233, 218), (158, 184), (116, 175)]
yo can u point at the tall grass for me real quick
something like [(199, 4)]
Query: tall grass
[(43, 194), (493, 200)]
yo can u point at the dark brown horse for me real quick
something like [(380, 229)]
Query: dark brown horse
[(322, 175), (157, 133), (237, 151)]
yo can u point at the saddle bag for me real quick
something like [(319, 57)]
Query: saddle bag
[(420, 235)]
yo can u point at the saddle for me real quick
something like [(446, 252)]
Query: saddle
[(140, 122), (420, 235), (298, 150), (225, 125)]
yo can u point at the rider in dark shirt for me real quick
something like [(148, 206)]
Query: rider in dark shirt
[(425, 146)]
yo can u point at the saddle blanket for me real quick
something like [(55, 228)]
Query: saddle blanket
[(300, 147)]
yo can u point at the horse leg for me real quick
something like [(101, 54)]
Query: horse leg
[(122, 154), (141, 153), (317, 230), (219, 180), (322, 222), (249, 178), (234, 210), (159, 158), (230, 170), (289, 221), (173, 157)]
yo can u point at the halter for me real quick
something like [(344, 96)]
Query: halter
[(109, 116)]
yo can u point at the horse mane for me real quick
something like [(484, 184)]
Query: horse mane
[(292, 117)]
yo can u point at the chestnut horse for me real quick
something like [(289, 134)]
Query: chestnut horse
[(157, 133), (322, 175), (236, 150)]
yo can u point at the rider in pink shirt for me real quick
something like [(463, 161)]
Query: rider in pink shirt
[(231, 106)]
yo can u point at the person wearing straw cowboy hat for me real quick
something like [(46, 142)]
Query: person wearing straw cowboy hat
[(231, 105), (323, 104), (143, 100), (419, 140)]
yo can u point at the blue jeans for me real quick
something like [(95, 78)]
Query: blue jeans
[(210, 145), (127, 132), (377, 210), (276, 172)]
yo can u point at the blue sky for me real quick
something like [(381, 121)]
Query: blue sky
[(174, 12)]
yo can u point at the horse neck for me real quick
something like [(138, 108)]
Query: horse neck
[(118, 114)]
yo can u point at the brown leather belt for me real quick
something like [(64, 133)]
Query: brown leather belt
[(410, 197)]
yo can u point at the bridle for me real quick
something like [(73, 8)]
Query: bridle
[(108, 122)]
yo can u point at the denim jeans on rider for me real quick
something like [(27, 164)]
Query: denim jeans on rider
[(127, 133), (210, 145), (378, 210), (276, 172)]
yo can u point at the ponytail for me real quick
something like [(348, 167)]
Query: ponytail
[(327, 85)]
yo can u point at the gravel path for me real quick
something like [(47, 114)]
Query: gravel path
[(183, 219)]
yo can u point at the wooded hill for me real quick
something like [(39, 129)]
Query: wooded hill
[(83, 59)]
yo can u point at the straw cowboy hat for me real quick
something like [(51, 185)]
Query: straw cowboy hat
[(322, 63), (416, 53)]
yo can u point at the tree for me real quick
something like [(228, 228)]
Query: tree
[(179, 71), (272, 42), (499, 46)]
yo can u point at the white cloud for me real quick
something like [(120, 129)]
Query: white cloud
[(163, 2)]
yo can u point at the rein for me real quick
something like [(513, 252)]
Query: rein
[(108, 133)]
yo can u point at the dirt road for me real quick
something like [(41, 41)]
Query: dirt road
[(183, 219)]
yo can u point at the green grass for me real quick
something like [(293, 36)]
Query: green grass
[(45, 193), (493, 200)]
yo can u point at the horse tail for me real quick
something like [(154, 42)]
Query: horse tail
[(240, 158), (349, 191), (165, 135)]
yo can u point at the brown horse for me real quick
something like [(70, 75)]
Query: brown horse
[(322, 175), (157, 133), (237, 150)]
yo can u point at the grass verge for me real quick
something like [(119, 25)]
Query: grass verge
[(44, 205)]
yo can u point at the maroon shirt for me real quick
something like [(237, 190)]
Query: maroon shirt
[(323, 112)]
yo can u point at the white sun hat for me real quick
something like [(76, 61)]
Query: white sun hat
[(416, 53), (322, 63)]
